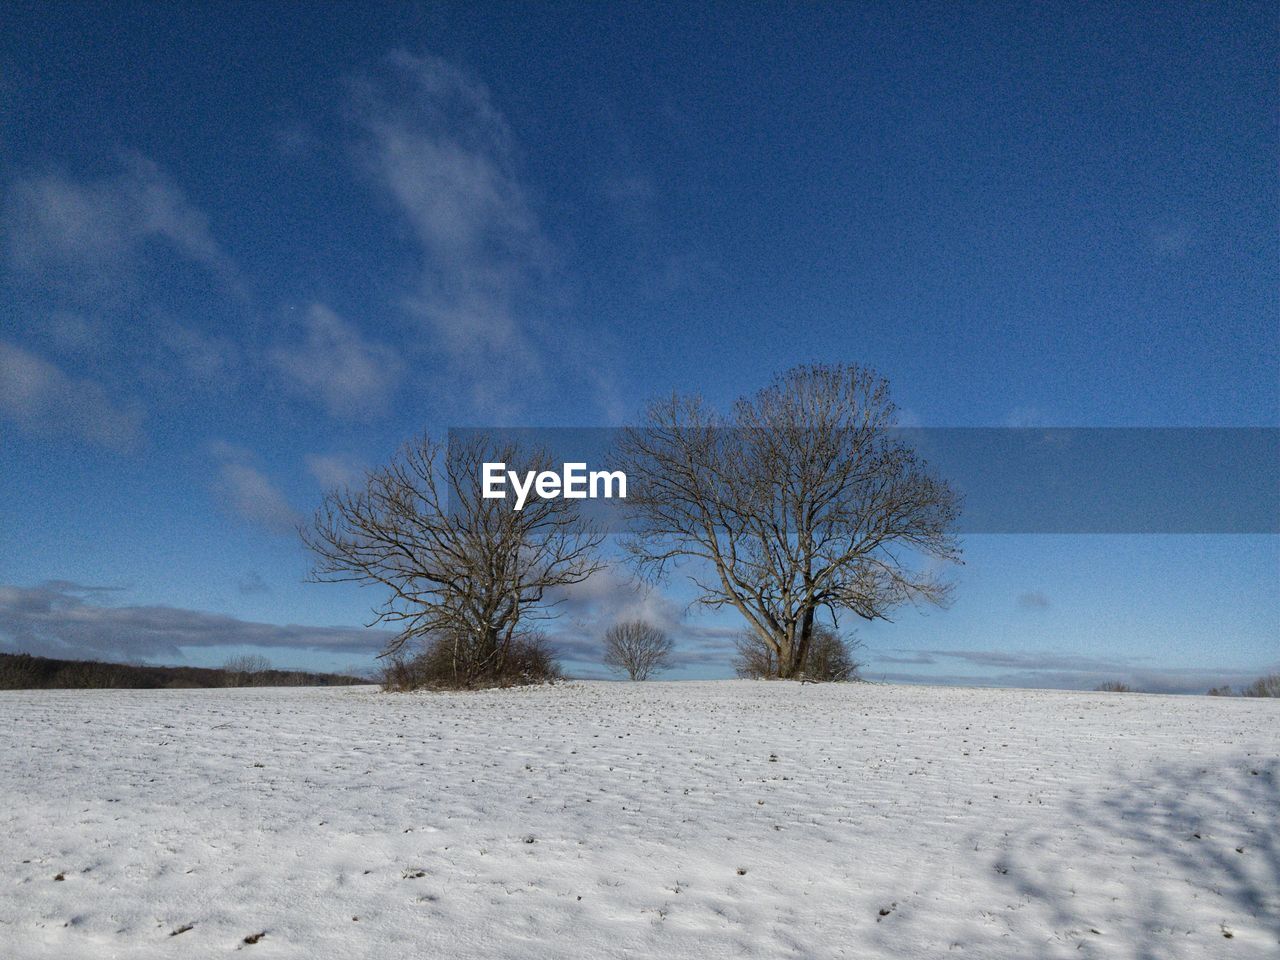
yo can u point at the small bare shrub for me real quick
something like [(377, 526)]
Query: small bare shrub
[(755, 659), (1114, 686), (830, 657), (444, 664), (532, 661), (397, 673)]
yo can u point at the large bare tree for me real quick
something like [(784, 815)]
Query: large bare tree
[(804, 499), (459, 569), (639, 648)]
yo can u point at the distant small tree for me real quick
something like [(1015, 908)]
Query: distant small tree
[(1268, 686), (1114, 686), (241, 671), (639, 648), (830, 657), (1223, 691)]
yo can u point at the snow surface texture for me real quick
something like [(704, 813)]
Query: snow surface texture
[(718, 819)]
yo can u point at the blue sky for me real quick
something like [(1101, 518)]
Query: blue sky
[(246, 250)]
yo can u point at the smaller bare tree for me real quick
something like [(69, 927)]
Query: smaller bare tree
[(639, 648), (1114, 686)]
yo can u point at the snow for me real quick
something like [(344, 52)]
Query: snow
[(712, 819)]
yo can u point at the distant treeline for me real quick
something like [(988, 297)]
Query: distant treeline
[(1268, 686), (1262, 686), (22, 671)]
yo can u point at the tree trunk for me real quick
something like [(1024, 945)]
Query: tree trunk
[(802, 644), (794, 650), (787, 660)]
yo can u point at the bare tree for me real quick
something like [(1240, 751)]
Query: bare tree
[(639, 648), (463, 573), (831, 657), (804, 499), (241, 670)]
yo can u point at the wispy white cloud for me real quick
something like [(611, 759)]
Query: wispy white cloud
[(246, 492), (333, 364), (434, 141), (919, 659), (80, 234), (334, 470), (610, 595), (110, 263), (39, 397)]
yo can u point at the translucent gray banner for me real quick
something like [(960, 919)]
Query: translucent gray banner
[(1029, 480)]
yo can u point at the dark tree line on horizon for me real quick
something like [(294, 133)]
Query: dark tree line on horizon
[(22, 671)]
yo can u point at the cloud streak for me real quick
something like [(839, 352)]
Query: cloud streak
[(61, 619)]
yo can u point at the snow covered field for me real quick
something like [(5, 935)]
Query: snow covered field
[(718, 819)]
